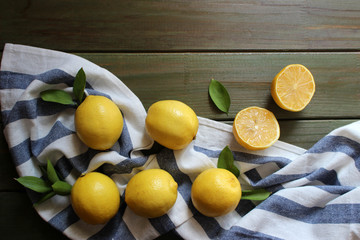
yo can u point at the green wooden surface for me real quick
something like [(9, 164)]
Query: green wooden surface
[(171, 49), (247, 76), (182, 25)]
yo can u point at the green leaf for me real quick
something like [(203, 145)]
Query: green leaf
[(34, 183), (79, 85), (51, 173), (43, 171), (44, 198), (226, 161), (57, 96), (219, 95), (255, 194), (61, 188)]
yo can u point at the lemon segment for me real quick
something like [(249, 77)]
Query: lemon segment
[(98, 122), (171, 123), (95, 198), (151, 193), (215, 192), (256, 128), (293, 87)]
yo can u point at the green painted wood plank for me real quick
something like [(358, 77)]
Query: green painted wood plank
[(181, 25), (247, 76), (306, 133)]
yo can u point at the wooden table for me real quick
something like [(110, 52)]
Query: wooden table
[(171, 50)]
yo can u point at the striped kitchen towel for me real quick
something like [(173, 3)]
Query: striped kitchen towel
[(316, 192)]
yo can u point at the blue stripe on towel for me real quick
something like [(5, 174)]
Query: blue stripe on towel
[(97, 93), (64, 219), (125, 142), (210, 225), (125, 166), (325, 176), (13, 80), (336, 189), (162, 224), (57, 132), (167, 161), (244, 207), (32, 109), (258, 159), (215, 231), (246, 157), (63, 167), (81, 162), (338, 144), (276, 179), (21, 152), (330, 214), (26, 149), (254, 177), (328, 177), (116, 228), (237, 232)]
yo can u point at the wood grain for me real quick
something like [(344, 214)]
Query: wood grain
[(171, 50), (174, 25), (247, 76)]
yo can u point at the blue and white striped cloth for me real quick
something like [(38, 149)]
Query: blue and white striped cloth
[(316, 193)]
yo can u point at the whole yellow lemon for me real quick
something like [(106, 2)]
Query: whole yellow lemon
[(171, 123), (151, 193), (98, 122), (95, 198), (215, 192)]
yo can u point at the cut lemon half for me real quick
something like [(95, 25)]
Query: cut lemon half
[(293, 87), (256, 128)]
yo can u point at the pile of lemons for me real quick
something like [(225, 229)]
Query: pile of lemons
[(152, 193)]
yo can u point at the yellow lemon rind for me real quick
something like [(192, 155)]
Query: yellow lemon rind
[(213, 195), (151, 193), (98, 122), (171, 123), (91, 206)]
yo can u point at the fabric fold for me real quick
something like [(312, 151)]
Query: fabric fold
[(315, 191)]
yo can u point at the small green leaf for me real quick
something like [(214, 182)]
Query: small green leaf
[(226, 161), (43, 171), (51, 173), (57, 96), (61, 188), (44, 198), (219, 95), (34, 183), (255, 194), (79, 85)]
